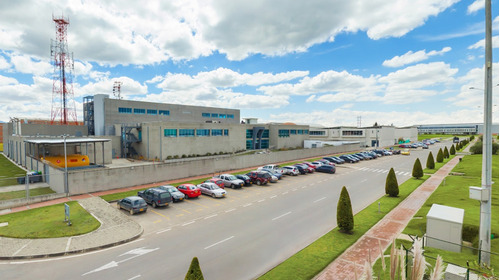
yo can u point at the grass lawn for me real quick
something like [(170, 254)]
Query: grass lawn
[(22, 194), (48, 222), (9, 172), (315, 257), (443, 136)]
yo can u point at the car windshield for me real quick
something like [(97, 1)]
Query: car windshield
[(232, 177), (192, 188)]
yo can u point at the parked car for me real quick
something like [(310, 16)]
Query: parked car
[(212, 189), (310, 164), (324, 161), (396, 152), (272, 172), (349, 158), (174, 192), (216, 181), (338, 159), (133, 204), (306, 167), (406, 152), (371, 154), (317, 163), (301, 169), (359, 157), (274, 167), (365, 157), (387, 153), (326, 169), (272, 178), (245, 179), (332, 159), (258, 178), (379, 152), (155, 197), (190, 190), (230, 181), (291, 170), (425, 146)]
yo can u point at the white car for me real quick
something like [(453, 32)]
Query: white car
[(317, 163), (291, 170), (230, 181), (274, 167), (211, 189)]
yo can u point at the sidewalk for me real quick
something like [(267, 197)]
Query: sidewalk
[(385, 231)]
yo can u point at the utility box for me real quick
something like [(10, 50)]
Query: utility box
[(444, 228)]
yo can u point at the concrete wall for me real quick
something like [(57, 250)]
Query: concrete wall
[(92, 180)]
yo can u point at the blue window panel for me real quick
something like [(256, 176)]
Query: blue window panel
[(264, 143), (170, 132), (265, 134), (152, 112), (164, 112), (226, 132), (215, 115), (216, 132), (203, 132), (222, 116), (139, 111), (123, 110), (284, 133), (205, 115), (249, 144), (230, 116), (186, 132)]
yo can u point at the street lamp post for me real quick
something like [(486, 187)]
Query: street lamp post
[(66, 190)]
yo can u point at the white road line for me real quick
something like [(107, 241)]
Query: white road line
[(20, 249), (162, 231), (364, 180), (281, 216), (319, 199), (285, 192), (219, 242), (407, 174), (211, 216), (310, 185), (248, 204), (294, 190), (304, 187), (227, 211), (188, 223), (261, 200), (273, 196), (135, 277), (68, 243)]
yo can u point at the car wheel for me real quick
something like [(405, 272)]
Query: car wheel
[(213, 195), (154, 205), (258, 183), (131, 211), (233, 187), (118, 206)]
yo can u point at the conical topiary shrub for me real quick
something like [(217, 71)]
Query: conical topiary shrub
[(445, 152), (194, 272), (430, 161), (452, 150), (345, 219), (417, 169), (439, 157), (391, 184)]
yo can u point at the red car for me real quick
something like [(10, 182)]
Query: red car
[(189, 190), (324, 161), (310, 165), (216, 181)]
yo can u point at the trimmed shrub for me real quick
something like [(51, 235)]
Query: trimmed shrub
[(477, 148), (445, 152), (439, 157), (452, 150), (194, 272), (391, 184), (345, 219), (417, 169), (430, 161)]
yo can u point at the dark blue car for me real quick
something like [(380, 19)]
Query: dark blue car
[(326, 169)]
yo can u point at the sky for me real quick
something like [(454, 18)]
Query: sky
[(316, 62)]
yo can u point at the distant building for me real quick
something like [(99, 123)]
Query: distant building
[(461, 128)]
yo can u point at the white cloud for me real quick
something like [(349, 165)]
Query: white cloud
[(412, 57), (481, 43), (7, 81), (129, 88), (3, 63), (475, 6), (29, 65)]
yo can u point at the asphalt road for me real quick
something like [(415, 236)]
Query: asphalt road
[(238, 237)]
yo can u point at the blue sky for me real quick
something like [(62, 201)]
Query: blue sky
[(313, 62)]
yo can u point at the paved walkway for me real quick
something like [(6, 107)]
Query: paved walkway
[(385, 231), (116, 228)]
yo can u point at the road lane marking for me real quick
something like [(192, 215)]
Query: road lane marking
[(67, 244), (162, 231), (196, 203), (273, 196), (20, 249), (211, 216), (285, 192), (219, 242), (135, 277), (188, 223), (319, 199), (179, 215), (248, 204), (134, 252), (160, 214), (261, 200), (230, 210), (364, 180), (157, 221), (281, 216)]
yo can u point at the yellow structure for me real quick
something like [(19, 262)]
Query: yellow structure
[(73, 160)]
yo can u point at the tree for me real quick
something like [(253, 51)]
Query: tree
[(345, 219), (452, 150), (194, 272), (417, 169), (430, 161), (375, 124), (439, 157), (445, 152), (391, 184)]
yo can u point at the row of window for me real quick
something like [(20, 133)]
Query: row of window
[(265, 133), (317, 133), (218, 116), (139, 111), (287, 133), (264, 144), (194, 132), (352, 132)]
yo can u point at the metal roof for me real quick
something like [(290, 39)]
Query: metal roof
[(61, 140)]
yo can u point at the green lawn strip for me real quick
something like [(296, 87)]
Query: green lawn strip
[(315, 257), (22, 194), (433, 136), (437, 165), (48, 222), (454, 192), (9, 172)]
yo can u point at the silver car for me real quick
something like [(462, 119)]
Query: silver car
[(291, 170), (230, 181), (174, 192), (211, 189)]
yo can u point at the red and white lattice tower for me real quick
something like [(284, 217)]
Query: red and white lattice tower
[(117, 92), (63, 101)]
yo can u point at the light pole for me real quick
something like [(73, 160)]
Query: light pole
[(66, 190)]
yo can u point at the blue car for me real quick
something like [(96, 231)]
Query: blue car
[(326, 169)]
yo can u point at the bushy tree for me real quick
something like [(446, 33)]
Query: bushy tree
[(477, 148), (417, 169), (452, 150), (445, 152), (194, 272), (439, 157), (391, 184), (345, 219), (430, 161)]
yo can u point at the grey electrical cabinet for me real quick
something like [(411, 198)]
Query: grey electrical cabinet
[(444, 228)]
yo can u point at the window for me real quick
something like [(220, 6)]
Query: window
[(265, 134), (215, 115), (170, 132), (352, 132), (123, 110), (293, 131), (284, 133), (205, 115), (249, 133), (249, 144), (317, 133), (226, 132), (264, 143), (139, 111), (203, 132), (230, 116), (164, 112), (222, 116), (152, 112), (216, 132), (186, 132)]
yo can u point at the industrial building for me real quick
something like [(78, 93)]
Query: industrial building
[(460, 128)]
